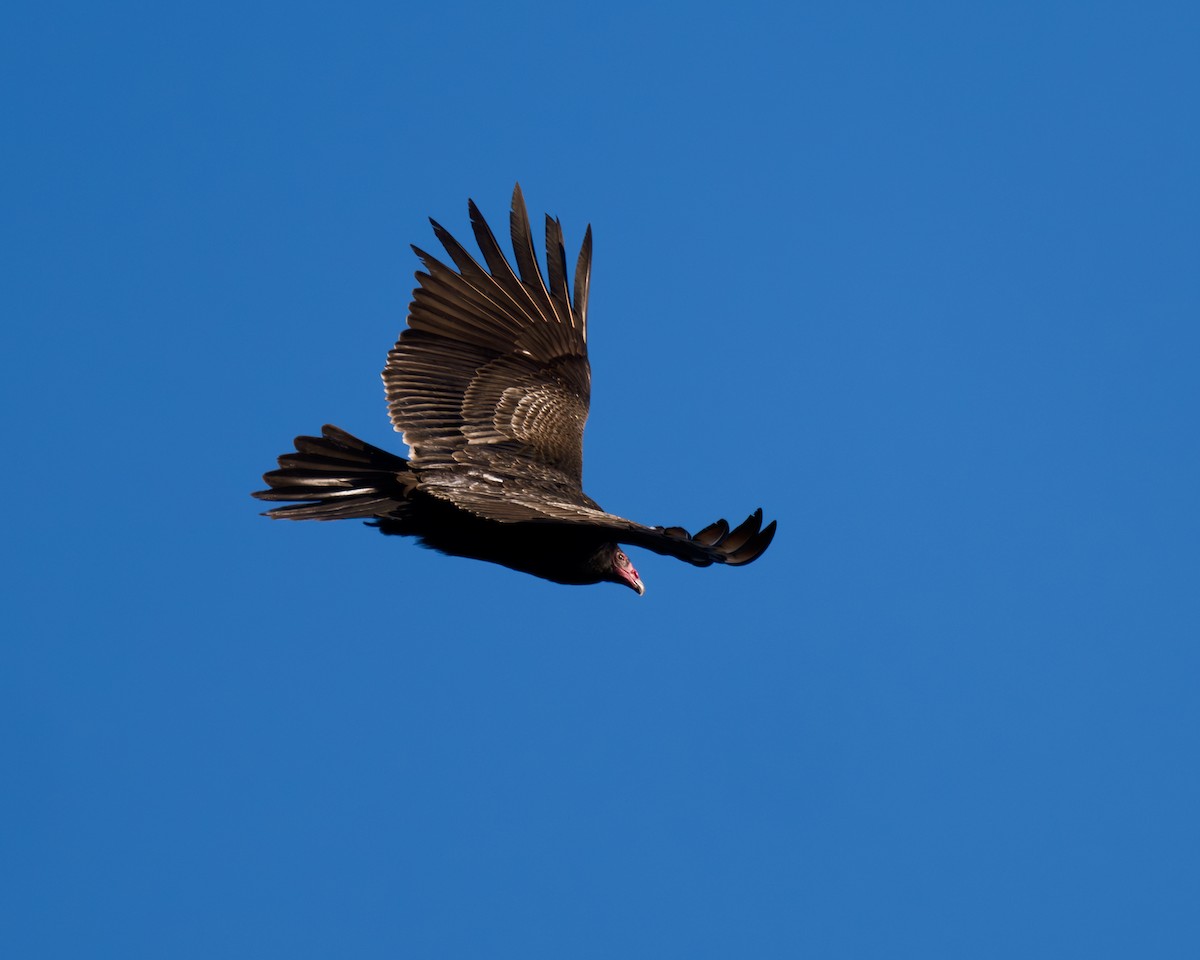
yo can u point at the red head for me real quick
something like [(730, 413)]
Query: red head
[(623, 571)]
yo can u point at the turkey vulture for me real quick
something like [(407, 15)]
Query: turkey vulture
[(489, 385)]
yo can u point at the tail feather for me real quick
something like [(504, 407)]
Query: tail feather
[(336, 476)]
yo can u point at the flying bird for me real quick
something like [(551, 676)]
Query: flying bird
[(489, 386)]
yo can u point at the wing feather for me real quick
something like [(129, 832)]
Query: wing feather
[(556, 263), (712, 533), (583, 280), (526, 256)]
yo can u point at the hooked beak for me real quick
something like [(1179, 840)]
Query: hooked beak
[(633, 581)]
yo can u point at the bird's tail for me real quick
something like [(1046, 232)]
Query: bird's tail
[(338, 477)]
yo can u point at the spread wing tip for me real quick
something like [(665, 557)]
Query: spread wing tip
[(743, 544), (754, 547), (717, 543)]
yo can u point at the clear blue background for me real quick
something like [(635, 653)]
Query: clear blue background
[(921, 280)]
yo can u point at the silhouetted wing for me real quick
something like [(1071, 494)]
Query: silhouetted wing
[(716, 543), (491, 376)]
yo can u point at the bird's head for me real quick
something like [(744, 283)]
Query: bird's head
[(624, 572)]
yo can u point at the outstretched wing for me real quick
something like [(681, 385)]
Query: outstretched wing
[(716, 543), (491, 376)]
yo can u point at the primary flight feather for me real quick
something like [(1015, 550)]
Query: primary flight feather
[(489, 385)]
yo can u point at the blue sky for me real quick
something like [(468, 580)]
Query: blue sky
[(920, 281)]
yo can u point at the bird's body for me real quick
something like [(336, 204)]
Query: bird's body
[(490, 386)]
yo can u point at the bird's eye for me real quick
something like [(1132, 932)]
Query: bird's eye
[(621, 557)]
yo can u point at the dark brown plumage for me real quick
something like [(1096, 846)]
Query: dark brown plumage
[(490, 386)]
